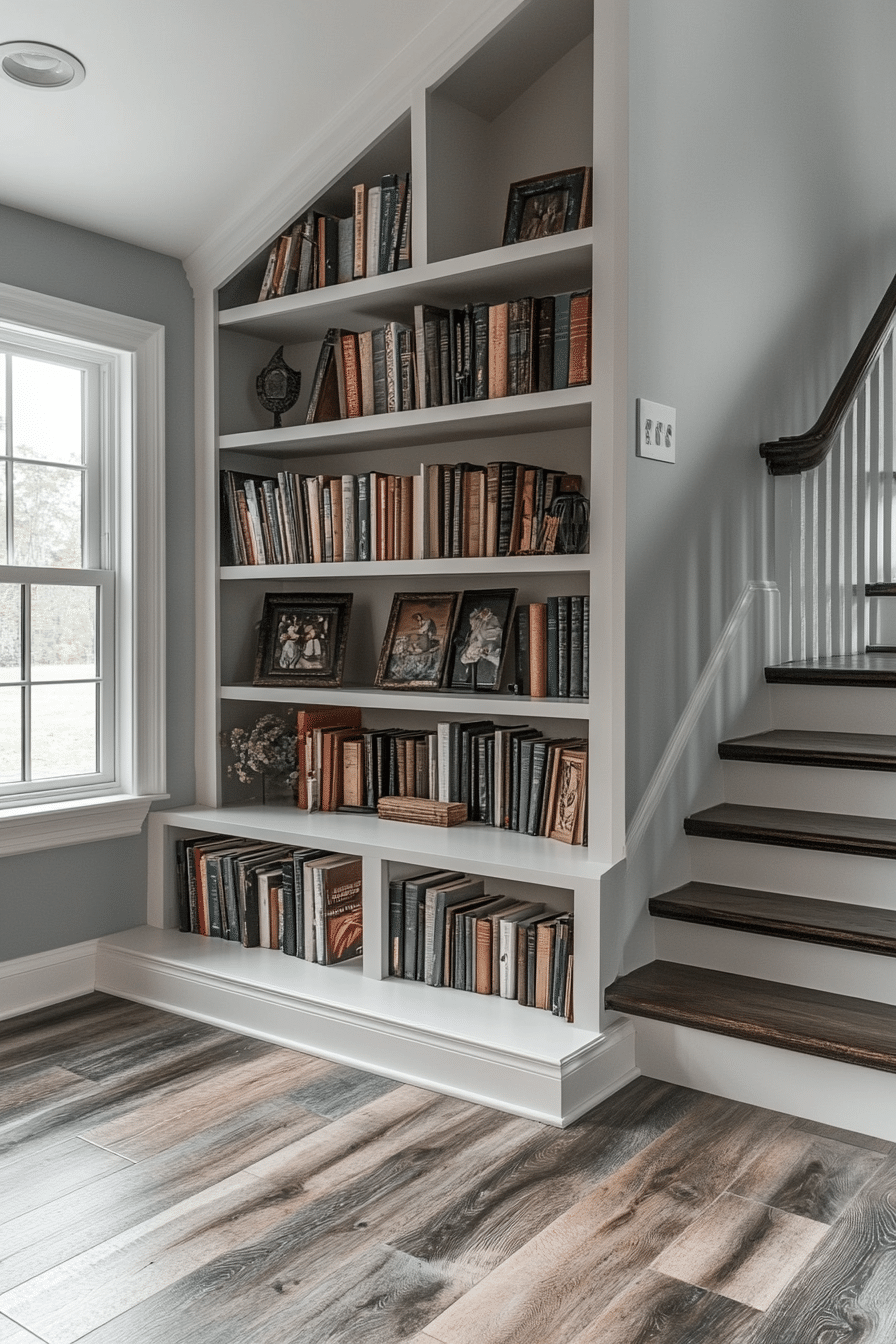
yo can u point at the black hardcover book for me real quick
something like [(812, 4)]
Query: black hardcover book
[(544, 329), (519, 347), (527, 746), (521, 651), (421, 940), (515, 769), (446, 371), (415, 889), (399, 216), (586, 636), (561, 340), (538, 505), (457, 511), (183, 895), (560, 962), (323, 366), (467, 731), (479, 780), (427, 330), (563, 646), (380, 379), (506, 497), (488, 815), (288, 907), (231, 904), (363, 533), (232, 545), (576, 623), (298, 860), (396, 926), (536, 790), (216, 927), (447, 474), (553, 661), (331, 250), (456, 352), (404, 237), (406, 368), (480, 352), (522, 959), (388, 209)]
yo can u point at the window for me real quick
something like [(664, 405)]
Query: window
[(81, 572)]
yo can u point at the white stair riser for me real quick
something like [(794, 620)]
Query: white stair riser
[(787, 961), (804, 872), (825, 1090), (867, 793), (833, 709)]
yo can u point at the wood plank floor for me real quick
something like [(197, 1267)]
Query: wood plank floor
[(166, 1182)]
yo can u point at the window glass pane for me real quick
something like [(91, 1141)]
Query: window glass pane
[(63, 632), (2, 404), (63, 730), (10, 631), (10, 734), (46, 411), (47, 507), (4, 553)]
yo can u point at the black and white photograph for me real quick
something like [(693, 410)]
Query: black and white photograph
[(480, 639)]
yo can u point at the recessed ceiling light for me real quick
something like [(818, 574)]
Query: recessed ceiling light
[(40, 65)]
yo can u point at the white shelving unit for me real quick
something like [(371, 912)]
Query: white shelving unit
[(535, 95)]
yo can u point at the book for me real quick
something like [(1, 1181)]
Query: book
[(580, 339), (561, 340), (538, 652), (415, 889), (309, 720), (374, 206), (438, 899), (497, 350), (359, 215), (338, 908), (544, 339)]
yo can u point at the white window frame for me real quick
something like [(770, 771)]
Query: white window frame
[(135, 350)]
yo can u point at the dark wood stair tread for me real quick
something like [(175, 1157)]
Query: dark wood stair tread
[(845, 669), (862, 928), (874, 836), (851, 751), (811, 1021), (880, 589)]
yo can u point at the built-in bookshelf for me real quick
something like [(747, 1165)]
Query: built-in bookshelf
[(536, 95)]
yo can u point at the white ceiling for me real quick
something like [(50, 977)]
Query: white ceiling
[(188, 105)]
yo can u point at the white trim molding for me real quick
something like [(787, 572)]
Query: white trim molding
[(47, 977), (138, 347), (684, 730)]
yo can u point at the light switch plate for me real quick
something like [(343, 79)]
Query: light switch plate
[(656, 430)]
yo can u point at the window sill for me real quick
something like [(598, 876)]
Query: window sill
[(77, 822)]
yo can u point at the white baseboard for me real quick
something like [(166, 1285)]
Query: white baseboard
[(47, 977), (552, 1087), (826, 1090)]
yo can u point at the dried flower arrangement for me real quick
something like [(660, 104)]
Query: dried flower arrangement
[(267, 749)]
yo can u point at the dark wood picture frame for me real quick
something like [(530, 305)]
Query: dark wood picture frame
[(566, 805), (540, 207), (481, 638), (302, 639), (417, 642)]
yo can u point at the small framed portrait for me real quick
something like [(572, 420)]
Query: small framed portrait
[(302, 639), (418, 641), (539, 207), (480, 639)]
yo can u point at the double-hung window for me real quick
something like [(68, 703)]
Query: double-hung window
[(81, 572)]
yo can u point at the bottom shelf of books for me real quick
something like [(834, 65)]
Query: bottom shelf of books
[(430, 962)]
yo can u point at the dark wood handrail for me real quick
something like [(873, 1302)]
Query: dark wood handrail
[(803, 452)]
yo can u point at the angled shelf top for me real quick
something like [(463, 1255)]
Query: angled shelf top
[(543, 266), (465, 566), (453, 703)]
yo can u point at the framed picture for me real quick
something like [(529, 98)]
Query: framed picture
[(480, 639), (566, 820), (418, 641), (302, 639), (539, 207)]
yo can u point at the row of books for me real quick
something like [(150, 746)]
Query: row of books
[(445, 930), (322, 249), (475, 353), (551, 648), (303, 902), (446, 510), (513, 778)]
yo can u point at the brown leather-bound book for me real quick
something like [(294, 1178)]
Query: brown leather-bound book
[(359, 196), (332, 767), (307, 720), (538, 650), (544, 957), (580, 339), (280, 265), (497, 350), (517, 518), (353, 772), (352, 373), (482, 983), (383, 530), (528, 510), (335, 484), (406, 517), (477, 513), (365, 361), (492, 506)]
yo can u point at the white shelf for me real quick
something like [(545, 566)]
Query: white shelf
[(472, 847), (544, 266), (565, 409), (490, 566), (522, 707)]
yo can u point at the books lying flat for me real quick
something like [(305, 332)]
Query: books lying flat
[(423, 811)]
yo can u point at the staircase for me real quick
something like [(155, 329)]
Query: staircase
[(786, 934)]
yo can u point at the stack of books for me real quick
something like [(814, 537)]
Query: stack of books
[(321, 249), (454, 355), (446, 510), (445, 930), (513, 778), (303, 902)]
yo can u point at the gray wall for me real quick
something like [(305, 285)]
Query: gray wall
[(762, 236), (63, 896)]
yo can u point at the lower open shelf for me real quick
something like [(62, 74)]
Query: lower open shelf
[(479, 1047)]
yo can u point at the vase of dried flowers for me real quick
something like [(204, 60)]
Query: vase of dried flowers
[(265, 754)]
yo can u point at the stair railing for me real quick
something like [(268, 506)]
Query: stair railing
[(834, 503)]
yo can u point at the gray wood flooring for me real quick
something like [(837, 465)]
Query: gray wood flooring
[(167, 1182)]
